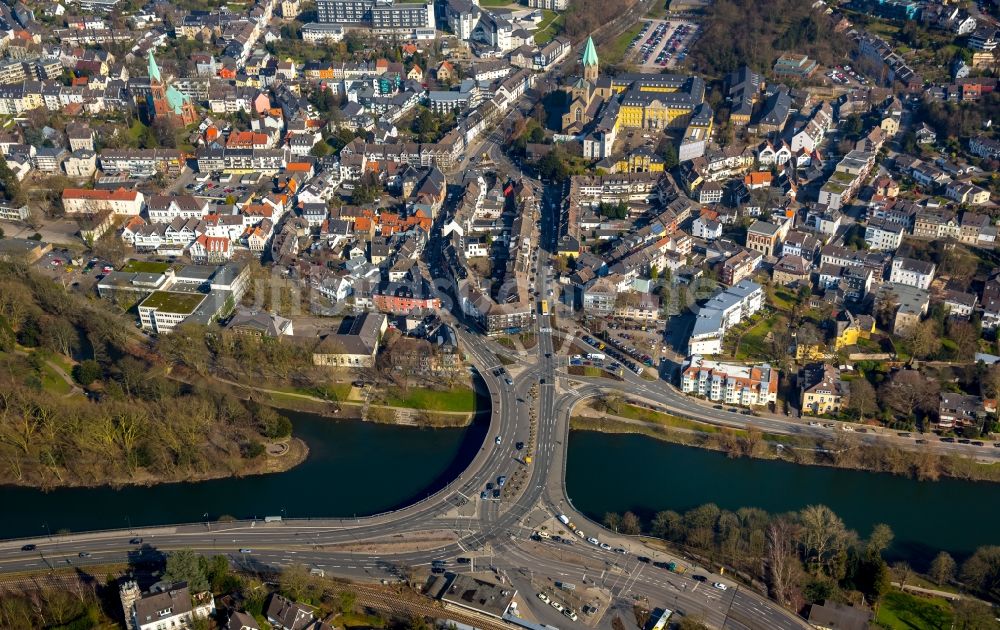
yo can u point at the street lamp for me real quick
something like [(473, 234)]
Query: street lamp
[(47, 530)]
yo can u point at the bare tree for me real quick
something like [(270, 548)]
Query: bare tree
[(780, 561), (823, 535), (909, 390), (862, 399), (942, 568), (630, 524), (901, 572)]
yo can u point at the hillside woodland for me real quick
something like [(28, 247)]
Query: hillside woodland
[(755, 33), (122, 419)]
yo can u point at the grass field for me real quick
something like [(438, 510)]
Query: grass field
[(550, 26), (463, 399), (633, 412), (495, 3), (54, 383), (752, 342), (615, 50), (902, 611)]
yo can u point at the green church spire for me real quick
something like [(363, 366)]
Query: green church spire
[(590, 53), (154, 70)]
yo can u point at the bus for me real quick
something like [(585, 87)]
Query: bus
[(543, 307), (661, 623)]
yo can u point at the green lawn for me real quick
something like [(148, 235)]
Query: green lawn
[(614, 51), (463, 399), (333, 391), (633, 412), (495, 3), (752, 343), (145, 266), (783, 299), (54, 383), (902, 611), (550, 26)]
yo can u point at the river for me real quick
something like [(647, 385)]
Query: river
[(617, 473), (353, 468)]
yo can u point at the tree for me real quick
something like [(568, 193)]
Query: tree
[(925, 339), (780, 562), (862, 399), (879, 540), (630, 524), (184, 565), (823, 535), (367, 190), (909, 391), (942, 568), (982, 571), (901, 572), (87, 372), (971, 614), (612, 521)]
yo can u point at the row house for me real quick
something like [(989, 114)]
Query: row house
[(883, 234), (936, 223), (267, 161)]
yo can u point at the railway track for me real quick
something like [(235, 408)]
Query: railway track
[(402, 603)]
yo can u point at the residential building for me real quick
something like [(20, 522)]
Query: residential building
[(382, 16), (910, 304), (745, 385), (174, 608), (914, 273), (822, 391), (959, 410), (723, 311), (739, 266), (87, 201), (959, 304), (285, 614), (763, 237), (884, 234), (837, 616)]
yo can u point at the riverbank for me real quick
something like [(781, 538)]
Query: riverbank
[(264, 464), (842, 451)]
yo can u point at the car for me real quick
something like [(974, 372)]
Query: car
[(498, 439), (484, 495), (501, 480), (566, 541), (489, 485), (544, 598), (246, 550), (593, 541), (557, 606), (605, 546), (519, 445), (720, 586), (84, 554), (965, 441), (644, 559), (978, 443), (948, 439), (621, 550), (699, 578), (569, 613), (921, 441), (903, 434), (496, 493), (135, 541), (29, 547), (463, 560)]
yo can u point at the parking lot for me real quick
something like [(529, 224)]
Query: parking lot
[(846, 75), (72, 268), (662, 43)]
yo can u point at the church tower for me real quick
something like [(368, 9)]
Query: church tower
[(165, 100), (589, 61)]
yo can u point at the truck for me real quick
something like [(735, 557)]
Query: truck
[(563, 519), (673, 567), (596, 356)]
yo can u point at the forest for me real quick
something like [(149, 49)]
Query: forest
[(756, 33), (121, 419)]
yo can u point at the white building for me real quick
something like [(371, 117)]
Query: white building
[(171, 609), (913, 273), (883, 234), (746, 385), (723, 311)]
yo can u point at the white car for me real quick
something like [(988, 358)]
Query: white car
[(605, 546), (544, 597), (557, 606), (569, 613), (593, 541), (720, 586)]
